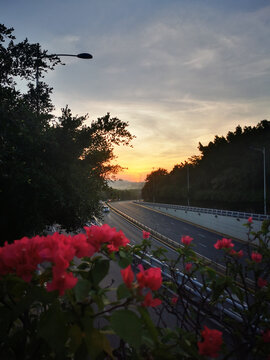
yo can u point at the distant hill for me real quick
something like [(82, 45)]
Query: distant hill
[(125, 185)]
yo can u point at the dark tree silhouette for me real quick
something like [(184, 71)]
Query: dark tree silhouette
[(51, 169)]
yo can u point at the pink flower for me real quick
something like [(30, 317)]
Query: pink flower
[(188, 266), (21, 257), (128, 276), (146, 234), (238, 254), (98, 235), (149, 301), (150, 278), (212, 341), (186, 240), (250, 220), (256, 257), (61, 281), (223, 244), (174, 300), (266, 336), (117, 241), (261, 282), (82, 246)]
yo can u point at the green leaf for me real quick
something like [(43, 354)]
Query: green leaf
[(52, 328), (149, 324), (82, 289), (122, 254), (127, 326), (122, 292), (97, 343), (75, 335), (211, 273), (124, 262), (100, 270)]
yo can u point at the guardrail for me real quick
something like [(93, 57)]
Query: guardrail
[(181, 277), (195, 289), (173, 244), (236, 214)]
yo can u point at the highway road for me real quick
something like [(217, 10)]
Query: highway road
[(168, 226), (132, 232)]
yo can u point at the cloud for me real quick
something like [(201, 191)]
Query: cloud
[(173, 57), (179, 71)]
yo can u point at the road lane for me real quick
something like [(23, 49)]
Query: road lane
[(133, 233), (174, 229)]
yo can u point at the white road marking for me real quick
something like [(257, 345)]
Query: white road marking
[(201, 235), (202, 244)]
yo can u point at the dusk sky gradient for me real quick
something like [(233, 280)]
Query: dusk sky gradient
[(179, 71)]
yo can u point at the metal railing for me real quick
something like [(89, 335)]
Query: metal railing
[(236, 214), (194, 288)]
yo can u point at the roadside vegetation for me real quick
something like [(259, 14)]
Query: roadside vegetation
[(52, 169), (228, 173), (54, 303)]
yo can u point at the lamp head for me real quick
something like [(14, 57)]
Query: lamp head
[(85, 56)]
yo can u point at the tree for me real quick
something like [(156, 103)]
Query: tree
[(52, 169), (228, 174), (154, 184)]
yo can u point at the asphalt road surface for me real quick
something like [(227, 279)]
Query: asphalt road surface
[(168, 226)]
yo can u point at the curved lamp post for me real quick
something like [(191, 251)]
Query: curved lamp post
[(80, 56)]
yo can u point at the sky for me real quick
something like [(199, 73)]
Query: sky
[(178, 71)]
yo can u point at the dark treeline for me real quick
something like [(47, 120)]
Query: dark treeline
[(116, 194), (52, 169), (228, 174)]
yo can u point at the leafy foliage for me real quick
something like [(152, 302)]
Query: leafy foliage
[(203, 313), (228, 174), (53, 170)]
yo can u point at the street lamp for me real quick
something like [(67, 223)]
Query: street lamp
[(264, 175), (80, 56), (188, 184)]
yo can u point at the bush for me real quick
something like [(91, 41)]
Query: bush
[(55, 304)]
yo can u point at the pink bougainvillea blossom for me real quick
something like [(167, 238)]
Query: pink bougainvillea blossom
[(186, 240), (238, 254), (256, 257), (150, 278), (223, 244), (149, 301), (266, 336), (212, 341), (25, 255), (250, 220), (61, 281), (188, 266), (98, 235), (82, 247), (174, 300), (128, 276), (261, 282), (146, 234), (21, 257)]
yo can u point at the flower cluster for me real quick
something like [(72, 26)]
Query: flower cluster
[(186, 240), (146, 279), (212, 341), (98, 235), (224, 244), (146, 235), (256, 257), (262, 282), (237, 254), (23, 256)]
